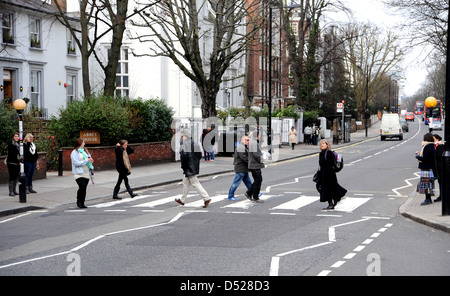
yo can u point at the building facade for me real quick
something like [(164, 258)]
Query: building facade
[(39, 60)]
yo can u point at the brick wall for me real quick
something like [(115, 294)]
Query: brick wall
[(38, 174), (144, 154)]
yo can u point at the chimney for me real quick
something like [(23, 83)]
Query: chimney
[(62, 4)]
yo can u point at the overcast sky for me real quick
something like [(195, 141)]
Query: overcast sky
[(375, 12)]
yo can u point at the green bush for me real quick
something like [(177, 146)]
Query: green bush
[(149, 120), (8, 126), (101, 113), (136, 120)]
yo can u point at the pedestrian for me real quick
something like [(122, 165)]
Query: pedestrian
[(427, 166), (30, 157), (440, 148), (80, 170), (308, 133), (123, 167), (208, 142), (205, 151), (329, 188), (240, 167), (315, 134), (255, 164), (13, 163), (190, 155), (293, 137)]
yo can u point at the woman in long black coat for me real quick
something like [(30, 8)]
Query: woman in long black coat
[(123, 167), (329, 188)]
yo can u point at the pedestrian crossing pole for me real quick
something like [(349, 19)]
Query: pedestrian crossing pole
[(445, 194)]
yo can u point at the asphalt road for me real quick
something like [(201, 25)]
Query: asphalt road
[(287, 235)]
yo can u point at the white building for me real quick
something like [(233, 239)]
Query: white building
[(159, 78), (38, 58)]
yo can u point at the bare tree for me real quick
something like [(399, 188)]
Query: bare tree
[(307, 54), (371, 55), (177, 30), (426, 21)]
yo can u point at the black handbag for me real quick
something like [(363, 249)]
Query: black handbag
[(316, 177)]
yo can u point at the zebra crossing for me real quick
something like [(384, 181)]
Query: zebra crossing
[(286, 202)]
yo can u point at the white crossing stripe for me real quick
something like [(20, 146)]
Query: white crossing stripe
[(201, 203), (297, 203), (116, 202), (349, 204), (159, 202), (245, 204)]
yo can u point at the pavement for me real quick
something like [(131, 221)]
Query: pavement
[(57, 190)]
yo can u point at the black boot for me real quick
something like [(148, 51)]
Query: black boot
[(14, 188), (130, 191), (115, 192), (30, 189), (11, 188)]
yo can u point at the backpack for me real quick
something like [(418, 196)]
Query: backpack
[(338, 161)]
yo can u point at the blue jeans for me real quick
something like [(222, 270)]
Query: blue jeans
[(29, 168), (238, 178)]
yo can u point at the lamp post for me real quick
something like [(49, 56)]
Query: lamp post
[(20, 105), (446, 157), (269, 132)]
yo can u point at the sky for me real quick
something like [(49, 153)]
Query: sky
[(375, 12)]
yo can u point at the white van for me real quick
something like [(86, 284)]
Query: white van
[(391, 127)]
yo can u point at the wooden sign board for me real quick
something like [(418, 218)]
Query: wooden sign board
[(90, 137)]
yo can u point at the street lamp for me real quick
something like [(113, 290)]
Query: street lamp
[(269, 132), (20, 105)]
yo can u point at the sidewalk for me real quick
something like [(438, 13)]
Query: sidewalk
[(55, 191)]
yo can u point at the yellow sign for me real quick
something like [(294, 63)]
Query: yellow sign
[(90, 137)]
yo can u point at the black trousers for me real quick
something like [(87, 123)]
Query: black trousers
[(82, 187), (122, 177), (255, 189)]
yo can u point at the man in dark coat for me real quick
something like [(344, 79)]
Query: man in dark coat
[(190, 156), (255, 164)]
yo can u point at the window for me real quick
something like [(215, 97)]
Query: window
[(71, 87), (122, 75), (35, 33), (70, 43), (35, 88), (7, 28)]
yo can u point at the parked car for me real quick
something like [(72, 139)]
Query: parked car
[(405, 127), (409, 116), (391, 127)]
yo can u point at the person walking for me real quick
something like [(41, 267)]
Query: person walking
[(427, 166), (329, 188), (80, 170), (292, 137), (240, 167), (440, 149), (255, 164), (190, 155), (315, 134), (30, 157), (308, 133), (123, 167), (13, 163)]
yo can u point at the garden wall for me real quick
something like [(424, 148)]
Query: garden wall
[(144, 154)]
